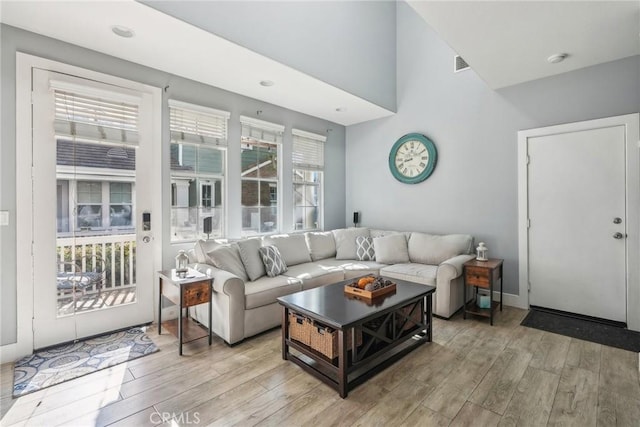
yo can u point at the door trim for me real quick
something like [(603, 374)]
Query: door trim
[(24, 218), (631, 122)]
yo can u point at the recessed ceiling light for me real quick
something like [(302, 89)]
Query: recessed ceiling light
[(266, 83), (123, 31), (341, 109), (557, 57)]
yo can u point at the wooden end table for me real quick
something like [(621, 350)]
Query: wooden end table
[(482, 274), (186, 290)]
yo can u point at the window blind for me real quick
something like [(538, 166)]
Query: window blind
[(308, 150), (261, 130), (197, 124), (93, 117)]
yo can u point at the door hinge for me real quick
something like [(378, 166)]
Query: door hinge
[(528, 159), (528, 286), (528, 223)]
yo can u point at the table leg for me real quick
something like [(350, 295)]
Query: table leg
[(180, 321), (491, 302), (464, 299), (160, 306), (501, 283), (342, 363), (211, 313), (429, 317), (285, 332)]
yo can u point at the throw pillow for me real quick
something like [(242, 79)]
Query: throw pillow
[(273, 262), (346, 241), (391, 249), (364, 249), (433, 249), (227, 257), (251, 258), (293, 247), (321, 245)]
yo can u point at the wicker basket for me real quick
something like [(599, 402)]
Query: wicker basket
[(416, 317), (299, 328), (325, 339)]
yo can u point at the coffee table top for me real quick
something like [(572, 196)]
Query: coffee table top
[(331, 306)]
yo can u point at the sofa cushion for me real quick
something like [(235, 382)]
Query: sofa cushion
[(352, 268), (419, 273), (251, 258), (202, 247), (321, 245), (292, 247), (381, 233), (346, 241), (364, 249), (433, 249), (273, 262), (314, 274), (265, 290), (227, 257), (391, 249)]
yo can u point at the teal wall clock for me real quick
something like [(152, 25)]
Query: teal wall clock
[(413, 158)]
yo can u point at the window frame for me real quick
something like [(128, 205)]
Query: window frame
[(182, 135), (305, 164), (254, 131)]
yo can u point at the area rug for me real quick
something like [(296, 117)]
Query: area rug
[(66, 362), (584, 329)]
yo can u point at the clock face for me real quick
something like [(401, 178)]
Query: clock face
[(412, 158)]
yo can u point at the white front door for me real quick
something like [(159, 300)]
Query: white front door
[(93, 258), (578, 222)]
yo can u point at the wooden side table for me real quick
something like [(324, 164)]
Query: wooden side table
[(185, 291), (482, 274)]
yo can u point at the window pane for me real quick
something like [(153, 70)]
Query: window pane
[(298, 195), (183, 223), (183, 157), (311, 218), (210, 160), (120, 192), (249, 159), (89, 216), (250, 220), (268, 193), (268, 157), (250, 193), (268, 219), (89, 192), (120, 215), (298, 218)]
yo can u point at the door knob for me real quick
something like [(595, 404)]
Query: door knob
[(618, 235), (617, 220)]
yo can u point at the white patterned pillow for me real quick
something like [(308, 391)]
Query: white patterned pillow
[(273, 262), (364, 249)]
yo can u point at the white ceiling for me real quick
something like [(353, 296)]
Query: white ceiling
[(508, 42), (168, 44), (505, 42)]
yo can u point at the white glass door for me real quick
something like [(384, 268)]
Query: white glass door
[(92, 255)]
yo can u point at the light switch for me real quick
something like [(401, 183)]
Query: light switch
[(4, 217)]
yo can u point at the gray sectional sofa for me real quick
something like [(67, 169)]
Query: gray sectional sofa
[(244, 298)]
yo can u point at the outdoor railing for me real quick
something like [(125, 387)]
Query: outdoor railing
[(115, 253)]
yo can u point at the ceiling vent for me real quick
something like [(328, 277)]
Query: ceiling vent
[(459, 64)]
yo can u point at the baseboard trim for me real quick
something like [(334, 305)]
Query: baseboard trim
[(511, 300)]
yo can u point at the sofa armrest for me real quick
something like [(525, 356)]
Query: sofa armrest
[(228, 303), (454, 265)]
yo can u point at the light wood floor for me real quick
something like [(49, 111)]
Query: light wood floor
[(472, 374)]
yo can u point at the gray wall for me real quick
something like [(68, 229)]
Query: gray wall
[(13, 39), (474, 186), (348, 44)]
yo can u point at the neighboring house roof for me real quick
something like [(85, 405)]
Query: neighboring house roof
[(82, 154)]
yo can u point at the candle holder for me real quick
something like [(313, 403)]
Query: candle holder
[(481, 252)]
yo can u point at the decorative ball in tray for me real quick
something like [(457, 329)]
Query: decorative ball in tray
[(370, 287)]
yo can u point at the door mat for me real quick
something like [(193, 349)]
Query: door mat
[(583, 329), (69, 361)]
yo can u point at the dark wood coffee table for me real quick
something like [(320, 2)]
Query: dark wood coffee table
[(389, 328)]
